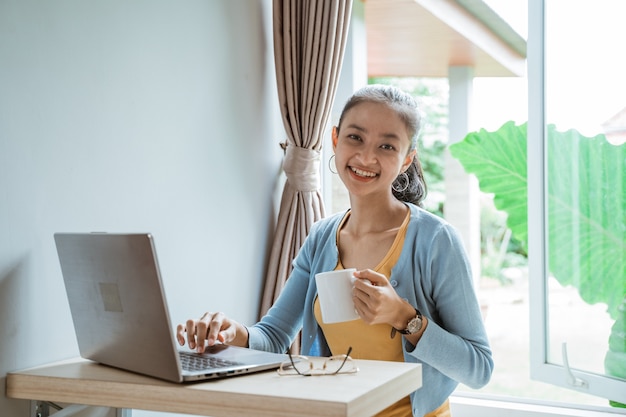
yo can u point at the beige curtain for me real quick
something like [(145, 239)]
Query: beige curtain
[(309, 41)]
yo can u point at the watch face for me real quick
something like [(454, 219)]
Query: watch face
[(415, 325)]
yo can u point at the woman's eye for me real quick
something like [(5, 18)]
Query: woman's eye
[(354, 137), (388, 147)]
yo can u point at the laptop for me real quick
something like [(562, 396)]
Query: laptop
[(121, 317)]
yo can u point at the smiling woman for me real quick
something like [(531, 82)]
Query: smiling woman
[(363, 144), (413, 292), (409, 185)]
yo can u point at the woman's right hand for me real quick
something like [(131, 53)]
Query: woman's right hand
[(210, 329)]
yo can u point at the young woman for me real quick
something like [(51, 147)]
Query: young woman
[(414, 295)]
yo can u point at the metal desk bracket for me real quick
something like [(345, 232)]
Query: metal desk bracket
[(42, 409), (39, 409)]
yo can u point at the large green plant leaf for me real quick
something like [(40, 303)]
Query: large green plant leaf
[(586, 203), (587, 216), (498, 159)]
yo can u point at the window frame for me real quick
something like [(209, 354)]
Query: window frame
[(540, 368)]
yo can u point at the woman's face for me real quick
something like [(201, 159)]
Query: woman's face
[(371, 148)]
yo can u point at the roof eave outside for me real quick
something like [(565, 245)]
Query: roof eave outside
[(503, 44)]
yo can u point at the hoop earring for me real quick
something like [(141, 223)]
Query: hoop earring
[(331, 164), (404, 181)]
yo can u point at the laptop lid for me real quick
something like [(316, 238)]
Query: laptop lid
[(120, 313)]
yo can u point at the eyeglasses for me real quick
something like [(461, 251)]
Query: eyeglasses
[(302, 365)]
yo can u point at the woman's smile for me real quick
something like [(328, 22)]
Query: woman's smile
[(362, 173)]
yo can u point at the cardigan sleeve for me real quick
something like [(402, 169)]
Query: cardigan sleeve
[(455, 341), (279, 327), (293, 310)]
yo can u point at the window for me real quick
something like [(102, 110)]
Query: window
[(576, 196), (555, 312)]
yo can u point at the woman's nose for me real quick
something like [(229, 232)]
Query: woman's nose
[(367, 155)]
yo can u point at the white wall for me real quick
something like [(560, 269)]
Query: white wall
[(142, 115)]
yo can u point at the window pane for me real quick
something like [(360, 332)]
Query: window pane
[(586, 185)]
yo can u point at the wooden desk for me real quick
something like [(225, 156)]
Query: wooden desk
[(377, 385)]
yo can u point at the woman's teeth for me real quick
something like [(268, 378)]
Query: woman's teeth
[(362, 173)]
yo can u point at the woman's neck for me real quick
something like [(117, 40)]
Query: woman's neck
[(375, 215)]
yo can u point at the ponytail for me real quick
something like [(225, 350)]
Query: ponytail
[(412, 187)]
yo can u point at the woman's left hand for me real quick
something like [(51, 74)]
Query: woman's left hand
[(377, 301)]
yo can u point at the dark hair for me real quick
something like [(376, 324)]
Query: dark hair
[(411, 183)]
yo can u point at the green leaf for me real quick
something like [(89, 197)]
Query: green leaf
[(587, 216), (499, 161), (586, 202)]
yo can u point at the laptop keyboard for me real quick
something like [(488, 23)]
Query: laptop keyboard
[(195, 362)]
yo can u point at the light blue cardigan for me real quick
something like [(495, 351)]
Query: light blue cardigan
[(432, 273)]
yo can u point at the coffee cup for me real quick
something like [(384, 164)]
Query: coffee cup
[(334, 290)]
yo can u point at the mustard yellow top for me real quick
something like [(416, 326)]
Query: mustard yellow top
[(369, 341)]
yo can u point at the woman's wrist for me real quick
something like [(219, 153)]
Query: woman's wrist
[(406, 313), (409, 314), (242, 335)]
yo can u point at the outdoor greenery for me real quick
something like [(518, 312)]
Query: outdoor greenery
[(586, 199), (500, 250)]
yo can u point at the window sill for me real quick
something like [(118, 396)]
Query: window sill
[(475, 406)]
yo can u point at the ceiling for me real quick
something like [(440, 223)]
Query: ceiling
[(423, 38)]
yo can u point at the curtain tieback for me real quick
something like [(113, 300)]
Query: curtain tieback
[(302, 167)]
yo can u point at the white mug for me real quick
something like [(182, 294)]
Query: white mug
[(334, 290)]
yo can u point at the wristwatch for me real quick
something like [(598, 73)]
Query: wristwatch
[(414, 325)]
